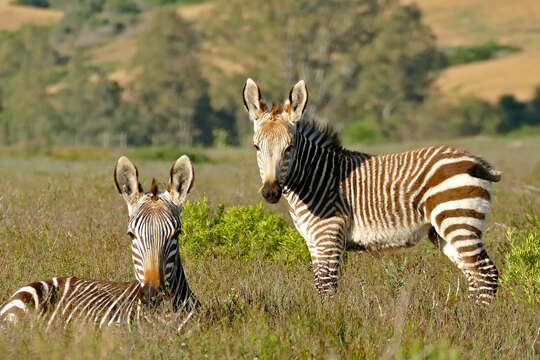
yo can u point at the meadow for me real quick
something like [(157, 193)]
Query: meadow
[(60, 215)]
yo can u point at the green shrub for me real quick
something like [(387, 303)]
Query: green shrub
[(239, 232), (525, 131), (470, 53), (522, 273), (365, 131), (37, 3), (168, 152)]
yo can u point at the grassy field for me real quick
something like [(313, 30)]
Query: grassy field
[(64, 217)]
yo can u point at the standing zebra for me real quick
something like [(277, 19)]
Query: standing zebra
[(153, 226), (340, 199)]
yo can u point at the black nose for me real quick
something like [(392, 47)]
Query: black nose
[(271, 191), (149, 296)]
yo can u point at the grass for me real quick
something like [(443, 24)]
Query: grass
[(12, 17), (64, 217), (469, 22)]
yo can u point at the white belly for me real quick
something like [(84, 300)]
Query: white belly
[(378, 238)]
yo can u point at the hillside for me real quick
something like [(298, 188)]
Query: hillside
[(460, 22), (13, 17), (466, 22)]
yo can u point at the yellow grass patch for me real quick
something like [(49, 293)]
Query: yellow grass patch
[(12, 17), (517, 74), (459, 22), (193, 12)]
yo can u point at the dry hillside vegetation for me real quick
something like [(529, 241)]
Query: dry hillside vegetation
[(465, 22), (458, 22), (517, 74), (13, 17)]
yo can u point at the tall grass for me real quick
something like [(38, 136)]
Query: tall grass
[(64, 217)]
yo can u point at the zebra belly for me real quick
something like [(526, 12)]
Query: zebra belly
[(379, 238)]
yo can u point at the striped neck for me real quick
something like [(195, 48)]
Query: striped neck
[(315, 166), (177, 289), (315, 157)]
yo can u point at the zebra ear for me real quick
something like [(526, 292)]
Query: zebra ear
[(126, 178), (181, 182), (253, 100), (298, 98)]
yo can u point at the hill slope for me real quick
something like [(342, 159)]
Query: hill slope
[(456, 22), (13, 17), (465, 22)]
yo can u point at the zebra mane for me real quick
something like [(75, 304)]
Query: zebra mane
[(308, 127)]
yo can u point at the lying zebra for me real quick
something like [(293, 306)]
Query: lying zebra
[(154, 226)]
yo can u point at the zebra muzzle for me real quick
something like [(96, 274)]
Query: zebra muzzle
[(271, 192), (149, 296)]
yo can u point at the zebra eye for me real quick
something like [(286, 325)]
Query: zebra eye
[(131, 234), (256, 147), (289, 148), (177, 232)]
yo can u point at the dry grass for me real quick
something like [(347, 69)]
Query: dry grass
[(195, 11), (462, 22), (13, 17), (62, 217), (517, 74), (465, 22)]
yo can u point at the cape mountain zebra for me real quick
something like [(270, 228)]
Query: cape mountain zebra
[(342, 199), (154, 226)]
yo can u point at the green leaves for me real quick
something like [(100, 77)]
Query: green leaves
[(239, 232), (522, 273)]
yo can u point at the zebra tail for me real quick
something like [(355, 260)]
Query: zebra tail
[(485, 171)]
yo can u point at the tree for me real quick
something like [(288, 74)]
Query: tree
[(358, 57), (26, 64), (89, 105), (514, 111), (169, 84)]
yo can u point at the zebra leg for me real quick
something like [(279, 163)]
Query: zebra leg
[(466, 250), (326, 257)]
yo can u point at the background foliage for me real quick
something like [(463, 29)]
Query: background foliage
[(129, 72)]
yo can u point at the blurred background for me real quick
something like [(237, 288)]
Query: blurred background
[(117, 73)]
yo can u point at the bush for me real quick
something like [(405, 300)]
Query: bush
[(522, 273), (364, 131), (37, 3), (239, 232), (168, 152), (470, 53)]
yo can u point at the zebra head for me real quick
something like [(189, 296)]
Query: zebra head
[(273, 137), (154, 223)]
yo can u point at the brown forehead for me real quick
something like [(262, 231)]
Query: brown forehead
[(156, 205), (274, 126)]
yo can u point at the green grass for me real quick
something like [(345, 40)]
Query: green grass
[(64, 217)]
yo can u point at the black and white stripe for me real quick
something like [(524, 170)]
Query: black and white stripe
[(154, 226), (342, 199)]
